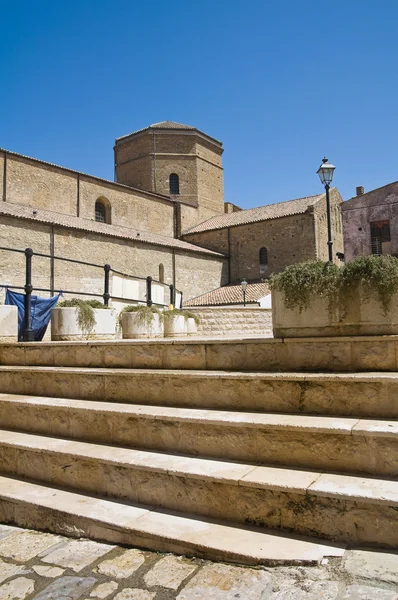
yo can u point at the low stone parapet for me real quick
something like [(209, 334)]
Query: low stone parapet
[(233, 320)]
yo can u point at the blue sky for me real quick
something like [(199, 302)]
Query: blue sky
[(280, 83)]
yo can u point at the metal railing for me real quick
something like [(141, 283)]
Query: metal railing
[(28, 335)]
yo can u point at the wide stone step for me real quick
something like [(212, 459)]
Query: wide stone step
[(361, 353), (345, 508), (316, 442), (79, 515), (348, 394)]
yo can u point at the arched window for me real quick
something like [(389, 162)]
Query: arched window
[(174, 184), (263, 257), (161, 273), (103, 210)]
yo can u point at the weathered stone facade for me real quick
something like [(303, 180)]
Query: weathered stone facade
[(288, 239), (360, 213)]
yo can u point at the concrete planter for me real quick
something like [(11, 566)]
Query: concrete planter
[(175, 326), (134, 327), (191, 326), (65, 327), (361, 313), (8, 324)]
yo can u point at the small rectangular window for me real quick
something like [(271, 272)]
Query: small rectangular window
[(380, 237)]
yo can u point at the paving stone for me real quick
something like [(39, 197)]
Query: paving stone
[(223, 582), (66, 588), (103, 590), (48, 571), (77, 554), (7, 530), (123, 565), (26, 545), (364, 592), (169, 572), (135, 594), (381, 566), (304, 590), (7, 570), (17, 589)]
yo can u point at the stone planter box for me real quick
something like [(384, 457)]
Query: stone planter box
[(65, 327), (8, 324), (360, 314), (191, 326), (133, 326), (175, 326)]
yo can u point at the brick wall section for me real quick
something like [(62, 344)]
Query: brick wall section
[(194, 274), (234, 321), (36, 184)]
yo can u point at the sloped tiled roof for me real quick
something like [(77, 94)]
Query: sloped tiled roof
[(78, 223), (169, 125), (262, 213), (231, 294)]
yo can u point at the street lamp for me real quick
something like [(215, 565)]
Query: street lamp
[(244, 286), (325, 173)]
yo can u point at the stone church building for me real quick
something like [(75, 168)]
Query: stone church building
[(163, 216)]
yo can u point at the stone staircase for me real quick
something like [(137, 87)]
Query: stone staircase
[(254, 451)]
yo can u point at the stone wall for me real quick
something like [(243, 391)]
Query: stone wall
[(321, 230), (234, 320), (40, 185), (193, 157), (378, 205), (194, 274)]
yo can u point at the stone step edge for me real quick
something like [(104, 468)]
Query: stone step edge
[(363, 376), (270, 421), (80, 515), (368, 490)]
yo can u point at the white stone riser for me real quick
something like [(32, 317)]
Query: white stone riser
[(359, 395), (326, 443), (303, 502)]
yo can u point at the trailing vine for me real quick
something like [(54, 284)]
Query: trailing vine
[(145, 314), (85, 312), (301, 282)]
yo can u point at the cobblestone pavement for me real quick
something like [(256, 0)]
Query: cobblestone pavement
[(42, 566)]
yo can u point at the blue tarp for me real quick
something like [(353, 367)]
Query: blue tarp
[(40, 311)]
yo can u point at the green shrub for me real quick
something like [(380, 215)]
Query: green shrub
[(191, 315), (177, 312), (303, 281), (145, 313), (85, 312)]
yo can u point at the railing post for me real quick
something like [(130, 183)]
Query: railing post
[(172, 295), (180, 299), (28, 333), (149, 291), (106, 295)]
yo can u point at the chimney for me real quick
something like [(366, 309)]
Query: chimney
[(360, 190)]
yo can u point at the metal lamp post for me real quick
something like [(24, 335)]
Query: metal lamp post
[(325, 173), (244, 286)]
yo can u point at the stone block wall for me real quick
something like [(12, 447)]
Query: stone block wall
[(191, 272), (234, 320), (33, 183)]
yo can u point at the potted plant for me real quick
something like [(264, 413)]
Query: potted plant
[(322, 299), (77, 319), (175, 322), (191, 322), (140, 321)]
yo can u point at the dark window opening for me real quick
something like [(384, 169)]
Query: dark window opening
[(100, 212), (174, 184), (380, 237), (263, 256)]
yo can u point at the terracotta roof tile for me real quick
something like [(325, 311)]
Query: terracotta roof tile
[(169, 125), (231, 294), (78, 223), (262, 213)]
